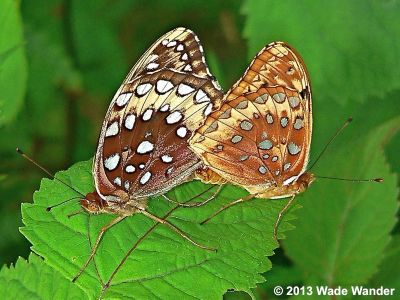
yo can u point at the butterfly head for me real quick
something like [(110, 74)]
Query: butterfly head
[(304, 181), (93, 203)]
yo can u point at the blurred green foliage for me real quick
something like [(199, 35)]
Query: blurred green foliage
[(76, 53)]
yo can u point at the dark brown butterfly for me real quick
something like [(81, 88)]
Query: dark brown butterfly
[(143, 146)]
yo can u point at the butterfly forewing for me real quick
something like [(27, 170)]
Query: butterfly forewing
[(143, 148), (261, 135), (179, 50)]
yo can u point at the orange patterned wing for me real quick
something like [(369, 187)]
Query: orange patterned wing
[(261, 135)]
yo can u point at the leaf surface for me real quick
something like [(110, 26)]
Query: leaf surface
[(164, 265), (33, 279)]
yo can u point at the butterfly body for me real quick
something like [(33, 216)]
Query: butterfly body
[(94, 204)]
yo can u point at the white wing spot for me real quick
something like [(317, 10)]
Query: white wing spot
[(165, 42), (164, 86), (279, 97), (262, 169), (294, 101), (270, 118), (152, 66), (169, 170), (117, 181), (130, 121), (141, 166), (179, 47), (201, 97), (188, 68), (274, 158), (113, 129), (174, 117), (284, 121), (293, 148), (147, 114), (208, 109), (111, 162), (298, 124), (123, 99), (184, 89), (166, 158), (127, 185), (244, 157), (184, 56), (130, 169), (181, 132), (246, 125), (145, 147), (143, 89), (265, 145), (171, 44), (145, 178), (236, 139), (164, 107), (286, 166)]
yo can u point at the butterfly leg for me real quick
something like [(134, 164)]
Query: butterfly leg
[(94, 249), (280, 215), (176, 229), (248, 197), (197, 204)]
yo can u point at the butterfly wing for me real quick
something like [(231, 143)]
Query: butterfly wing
[(261, 135), (143, 148)]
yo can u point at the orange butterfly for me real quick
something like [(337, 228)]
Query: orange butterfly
[(260, 137)]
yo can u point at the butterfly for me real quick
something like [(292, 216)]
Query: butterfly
[(143, 145), (260, 137)]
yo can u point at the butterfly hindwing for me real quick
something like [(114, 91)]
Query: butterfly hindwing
[(143, 149)]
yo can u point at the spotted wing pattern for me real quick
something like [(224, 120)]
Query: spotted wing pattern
[(260, 137), (143, 145)]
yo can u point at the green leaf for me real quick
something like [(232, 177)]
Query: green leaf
[(36, 280), (387, 275), (164, 265), (347, 225), (345, 44), (13, 68)]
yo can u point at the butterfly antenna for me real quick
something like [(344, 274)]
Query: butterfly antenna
[(351, 179), (49, 208), (338, 131), (52, 176)]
